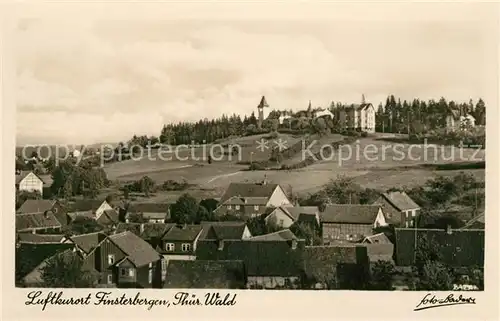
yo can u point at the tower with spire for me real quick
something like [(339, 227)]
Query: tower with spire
[(263, 104)]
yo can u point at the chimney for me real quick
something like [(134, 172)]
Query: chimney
[(448, 229), (220, 245)]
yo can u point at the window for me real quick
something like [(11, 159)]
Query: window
[(281, 222), (163, 265), (256, 207), (413, 213), (237, 207), (130, 272), (123, 272), (229, 207), (110, 278), (170, 247), (186, 247), (150, 276), (150, 265), (411, 223), (111, 259)]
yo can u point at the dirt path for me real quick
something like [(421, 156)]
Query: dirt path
[(223, 175)]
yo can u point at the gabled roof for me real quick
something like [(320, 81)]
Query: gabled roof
[(149, 208), (283, 235), (379, 238), (401, 201), (36, 206), (263, 103), (87, 242), (108, 217), (247, 190), (183, 233), (39, 238), (138, 251), (198, 274), (36, 221), (261, 258), (23, 174), (222, 230), (460, 248), (145, 230), (350, 213), (85, 205)]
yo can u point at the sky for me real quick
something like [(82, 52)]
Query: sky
[(88, 75)]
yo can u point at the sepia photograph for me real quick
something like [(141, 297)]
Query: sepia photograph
[(342, 152)]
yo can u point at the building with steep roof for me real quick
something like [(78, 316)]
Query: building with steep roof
[(399, 208), (350, 222)]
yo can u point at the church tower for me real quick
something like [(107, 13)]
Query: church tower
[(263, 104)]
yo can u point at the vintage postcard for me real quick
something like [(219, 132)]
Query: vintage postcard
[(217, 160)]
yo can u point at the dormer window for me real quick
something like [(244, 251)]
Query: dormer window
[(229, 207), (237, 207), (256, 207), (170, 247)]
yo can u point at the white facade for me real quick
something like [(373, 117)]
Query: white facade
[(278, 198), (31, 183), (104, 207)]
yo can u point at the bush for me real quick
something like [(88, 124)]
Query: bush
[(364, 134)]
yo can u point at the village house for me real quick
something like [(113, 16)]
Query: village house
[(28, 181), (49, 207), (150, 212), (379, 248), (271, 261), (206, 275), (456, 121), (359, 117), (399, 209), (85, 244), (88, 208), (342, 266), (179, 242), (125, 260), (286, 216), (109, 218), (262, 111), (251, 199), (459, 248), (350, 222), (225, 231)]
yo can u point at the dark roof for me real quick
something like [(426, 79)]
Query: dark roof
[(145, 230), (183, 233), (30, 255), (36, 221), (320, 262), (296, 211), (108, 217), (85, 205), (36, 206), (138, 251), (47, 180), (39, 238), (222, 230), (400, 200), (246, 190), (283, 235), (149, 208), (350, 214), (88, 214), (263, 103), (261, 258), (200, 274), (460, 248), (87, 242), (379, 238)]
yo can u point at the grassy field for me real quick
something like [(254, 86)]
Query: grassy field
[(389, 166)]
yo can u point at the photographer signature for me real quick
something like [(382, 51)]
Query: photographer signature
[(430, 301)]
